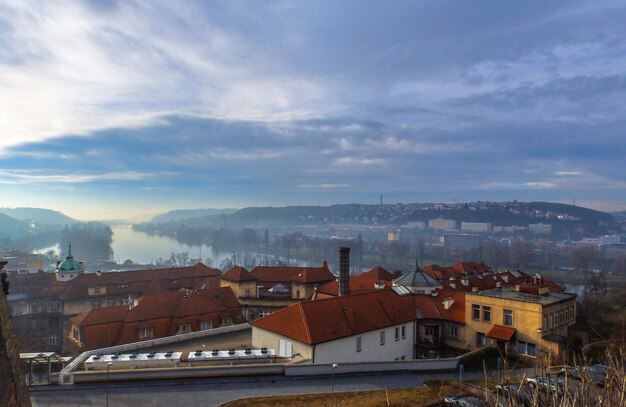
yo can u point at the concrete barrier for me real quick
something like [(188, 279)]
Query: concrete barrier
[(177, 373), (371, 367)]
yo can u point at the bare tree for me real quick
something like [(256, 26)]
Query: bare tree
[(583, 256), (522, 252)]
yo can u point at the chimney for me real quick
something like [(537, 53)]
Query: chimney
[(344, 270)]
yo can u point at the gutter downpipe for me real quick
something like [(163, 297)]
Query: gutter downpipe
[(313, 354)]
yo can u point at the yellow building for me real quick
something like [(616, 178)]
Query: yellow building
[(526, 319), (267, 289)]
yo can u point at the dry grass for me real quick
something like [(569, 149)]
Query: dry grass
[(419, 396)]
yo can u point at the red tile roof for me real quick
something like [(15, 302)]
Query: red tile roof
[(108, 326), (237, 273), (501, 333), (328, 319), (379, 273), (124, 283), (471, 267), (298, 274), (358, 284)]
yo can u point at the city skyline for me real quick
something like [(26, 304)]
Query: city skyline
[(129, 109)]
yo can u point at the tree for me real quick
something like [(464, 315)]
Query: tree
[(522, 252), (495, 253), (90, 241), (583, 256)]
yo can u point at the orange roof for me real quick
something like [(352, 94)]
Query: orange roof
[(117, 325), (358, 284), (237, 273), (135, 282), (379, 273), (298, 274), (328, 319), (471, 267), (501, 333)]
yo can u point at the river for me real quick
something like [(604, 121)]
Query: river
[(146, 249)]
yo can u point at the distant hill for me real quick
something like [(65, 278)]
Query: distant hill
[(10, 227), (181, 214), (563, 217), (38, 215)]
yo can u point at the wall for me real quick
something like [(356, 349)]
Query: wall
[(343, 350), (262, 338), (13, 390), (527, 318)]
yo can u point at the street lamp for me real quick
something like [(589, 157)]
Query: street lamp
[(108, 370), (334, 365)]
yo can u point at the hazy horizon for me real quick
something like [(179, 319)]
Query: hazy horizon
[(121, 110)]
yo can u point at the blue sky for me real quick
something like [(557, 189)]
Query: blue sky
[(123, 109)]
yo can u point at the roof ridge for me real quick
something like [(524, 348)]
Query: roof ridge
[(306, 323)]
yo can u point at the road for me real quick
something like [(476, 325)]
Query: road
[(216, 391)]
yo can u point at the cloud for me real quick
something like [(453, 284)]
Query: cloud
[(272, 102)]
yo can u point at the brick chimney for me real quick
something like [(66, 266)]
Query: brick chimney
[(344, 270)]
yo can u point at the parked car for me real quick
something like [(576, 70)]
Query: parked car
[(556, 385), (523, 394), (465, 401), (597, 373)]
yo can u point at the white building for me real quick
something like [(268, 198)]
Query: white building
[(540, 228), (442, 224), (368, 327), (476, 226)]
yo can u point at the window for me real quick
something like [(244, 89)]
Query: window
[(358, 343), (551, 323), (382, 337), (545, 322), (145, 333), (508, 317), (96, 289), (53, 340), (176, 281), (486, 314), (397, 337), (480, 339), (566, 314), (526, 348), (205, 325), (264, 313), (453, 331), (122, 286), (111, 302), (430, 330), (572, 313), (403, 329), (96, 304), (55, 305), (475, 311), (184, 328), (297, 293), (17, 309), (561, 321), (247, 292)]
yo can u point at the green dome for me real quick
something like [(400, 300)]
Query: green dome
[(69, 265)]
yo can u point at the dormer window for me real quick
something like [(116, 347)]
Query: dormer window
[(146, 333), (122, 286)]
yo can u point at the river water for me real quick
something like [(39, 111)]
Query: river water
[(146, 249)]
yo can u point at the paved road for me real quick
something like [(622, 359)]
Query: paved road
[(215, 391)]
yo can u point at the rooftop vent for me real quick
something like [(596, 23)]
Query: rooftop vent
[(448, 302)]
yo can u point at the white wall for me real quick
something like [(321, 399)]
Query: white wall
[(344, 350), (262, 338)]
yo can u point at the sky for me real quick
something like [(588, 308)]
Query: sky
[(118, 110)]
